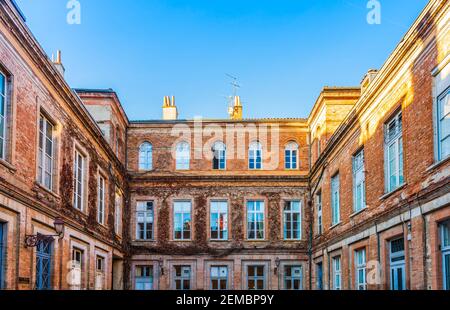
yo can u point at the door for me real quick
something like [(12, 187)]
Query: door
[(319, 276), (397, 264), (43, 265)]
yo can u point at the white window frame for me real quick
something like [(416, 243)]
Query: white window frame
[(396, 142), (99, 273), (254, 223), (289, 215), (440, 120), (359, 182), (335, 200), (183, 156), (45, 167), (101, 199), (185, 210), (118, 201), (291, 156), (79, 180), (293, 277), (220, 209), (360, 265), (4, 116), (183, 277), (337, 273), (220, 155), (145, 281), (255, 156), (445, 252), (221, 274), (146, 217), (146, 156), (319, 213)]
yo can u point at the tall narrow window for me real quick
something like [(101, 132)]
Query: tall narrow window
[(445, 249), (255, 156), (143, 278), (292, 220), (219, 220), (3, 113), (146, 156), (336, 273), (359, 183), (397, 264), (144, 220), (77, 269), (182, 277), (360, 264), (255, 220), (443, 110), (99, 273), (256, 278), (79, 167), (118, 214), (219, 277), (45, 160), (182, 220), (101, 200), (2, 253), (183, 156), (293, 278), (43, 264), (291, 156), (319, 213), (394, 153), (220, 156), (335, 200)]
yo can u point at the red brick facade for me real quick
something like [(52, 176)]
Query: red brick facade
[(95, 163)]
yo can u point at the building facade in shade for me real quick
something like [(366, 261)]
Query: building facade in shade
[(356, 196)]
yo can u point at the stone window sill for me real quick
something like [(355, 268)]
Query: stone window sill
[(438, 164), (7, 165), (335, 225), (40, 186), (398, 189), (358, 212)]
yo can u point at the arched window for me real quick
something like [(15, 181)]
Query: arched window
[(183, 155), (255, 156), (145, 156), (291, 156), (220, 156)]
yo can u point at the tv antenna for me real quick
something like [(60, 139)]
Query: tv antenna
[(234, 83)]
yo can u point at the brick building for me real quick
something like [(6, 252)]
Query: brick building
[(356, 196)]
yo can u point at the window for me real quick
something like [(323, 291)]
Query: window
[(143, 278), (256, 279), (219, 220), (145, 156), (182, 220), (183, 155), (118, 214), (445, 249), (393, 149), (101, 200), (291, 156), (292, 220), (319, 213), (99, 273), (255, 156), (144, 220), (220, 156), (336, 273), (443, 128), (2, 254), (255, 220), (360, 264), (77, 267), (359, 183), (182, 277), (79, 167), (293, 278), (219, 277), (43, 264), (335, 204), (397, 264), (3, 114), (319, 270), (45, 160)]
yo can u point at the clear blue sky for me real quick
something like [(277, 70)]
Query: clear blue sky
[(282, 51)]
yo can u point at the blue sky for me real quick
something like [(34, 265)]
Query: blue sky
[(282, 51)]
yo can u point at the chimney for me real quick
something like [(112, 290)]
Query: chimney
[(170, 112), (368, 78), (58, 63), (236, 110)]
